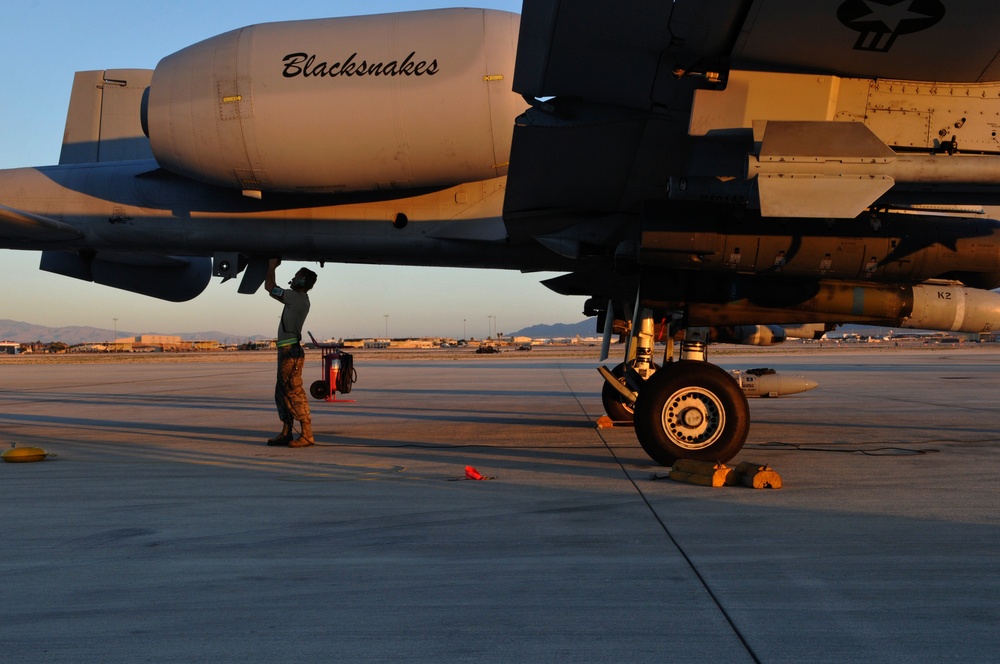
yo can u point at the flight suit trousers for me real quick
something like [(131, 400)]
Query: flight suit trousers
[(289, 396)]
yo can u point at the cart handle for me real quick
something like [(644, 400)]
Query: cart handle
[(318, 344)]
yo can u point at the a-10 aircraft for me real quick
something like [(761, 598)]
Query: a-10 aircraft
[(701, 170)]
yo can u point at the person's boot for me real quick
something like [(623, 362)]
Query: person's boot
[(283, 438), (305, 438)]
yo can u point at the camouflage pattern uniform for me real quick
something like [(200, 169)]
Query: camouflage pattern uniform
[(289, 397)]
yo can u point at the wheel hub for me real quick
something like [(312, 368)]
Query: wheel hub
[(693, 418)]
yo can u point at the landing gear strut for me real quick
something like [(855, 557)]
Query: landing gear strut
[(619, 404), (618, 407)]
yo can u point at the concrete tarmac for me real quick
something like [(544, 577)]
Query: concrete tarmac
[(162, 529)]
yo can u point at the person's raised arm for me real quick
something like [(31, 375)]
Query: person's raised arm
[(270, 281)]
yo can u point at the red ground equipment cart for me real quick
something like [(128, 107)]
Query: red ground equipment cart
[(338, 373)]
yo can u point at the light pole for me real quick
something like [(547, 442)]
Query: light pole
[(386, 317), (115, 340), (489, 327), (465, 334)]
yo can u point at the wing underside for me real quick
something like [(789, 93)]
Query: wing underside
[(626, 53)]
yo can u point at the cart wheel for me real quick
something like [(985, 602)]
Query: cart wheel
[(320, 389)]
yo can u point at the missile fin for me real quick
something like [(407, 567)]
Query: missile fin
[(800, 169), (822, 196)]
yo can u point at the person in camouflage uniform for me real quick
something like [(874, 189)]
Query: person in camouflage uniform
[(289, 396)]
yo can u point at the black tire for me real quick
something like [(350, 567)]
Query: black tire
[(320, 389), (691, 410), (615, 405)]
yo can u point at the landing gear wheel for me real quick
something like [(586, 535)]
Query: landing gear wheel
[(615, 405), (691, 410), (320, 389)]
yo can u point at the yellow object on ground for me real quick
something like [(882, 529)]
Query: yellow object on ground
[(704, 473), (23, 454), (710, 473), (757, 476)]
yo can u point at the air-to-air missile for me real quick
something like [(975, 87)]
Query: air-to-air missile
[(769, 383)]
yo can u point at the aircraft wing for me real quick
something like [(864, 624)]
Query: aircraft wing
[(20, 228), (619, 80), (625, 53), (612, 54), (874, 39)]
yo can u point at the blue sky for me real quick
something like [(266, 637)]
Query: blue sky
[(42, 44)]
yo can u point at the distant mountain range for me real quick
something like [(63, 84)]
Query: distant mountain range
[(585, 328), (13, 330)]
